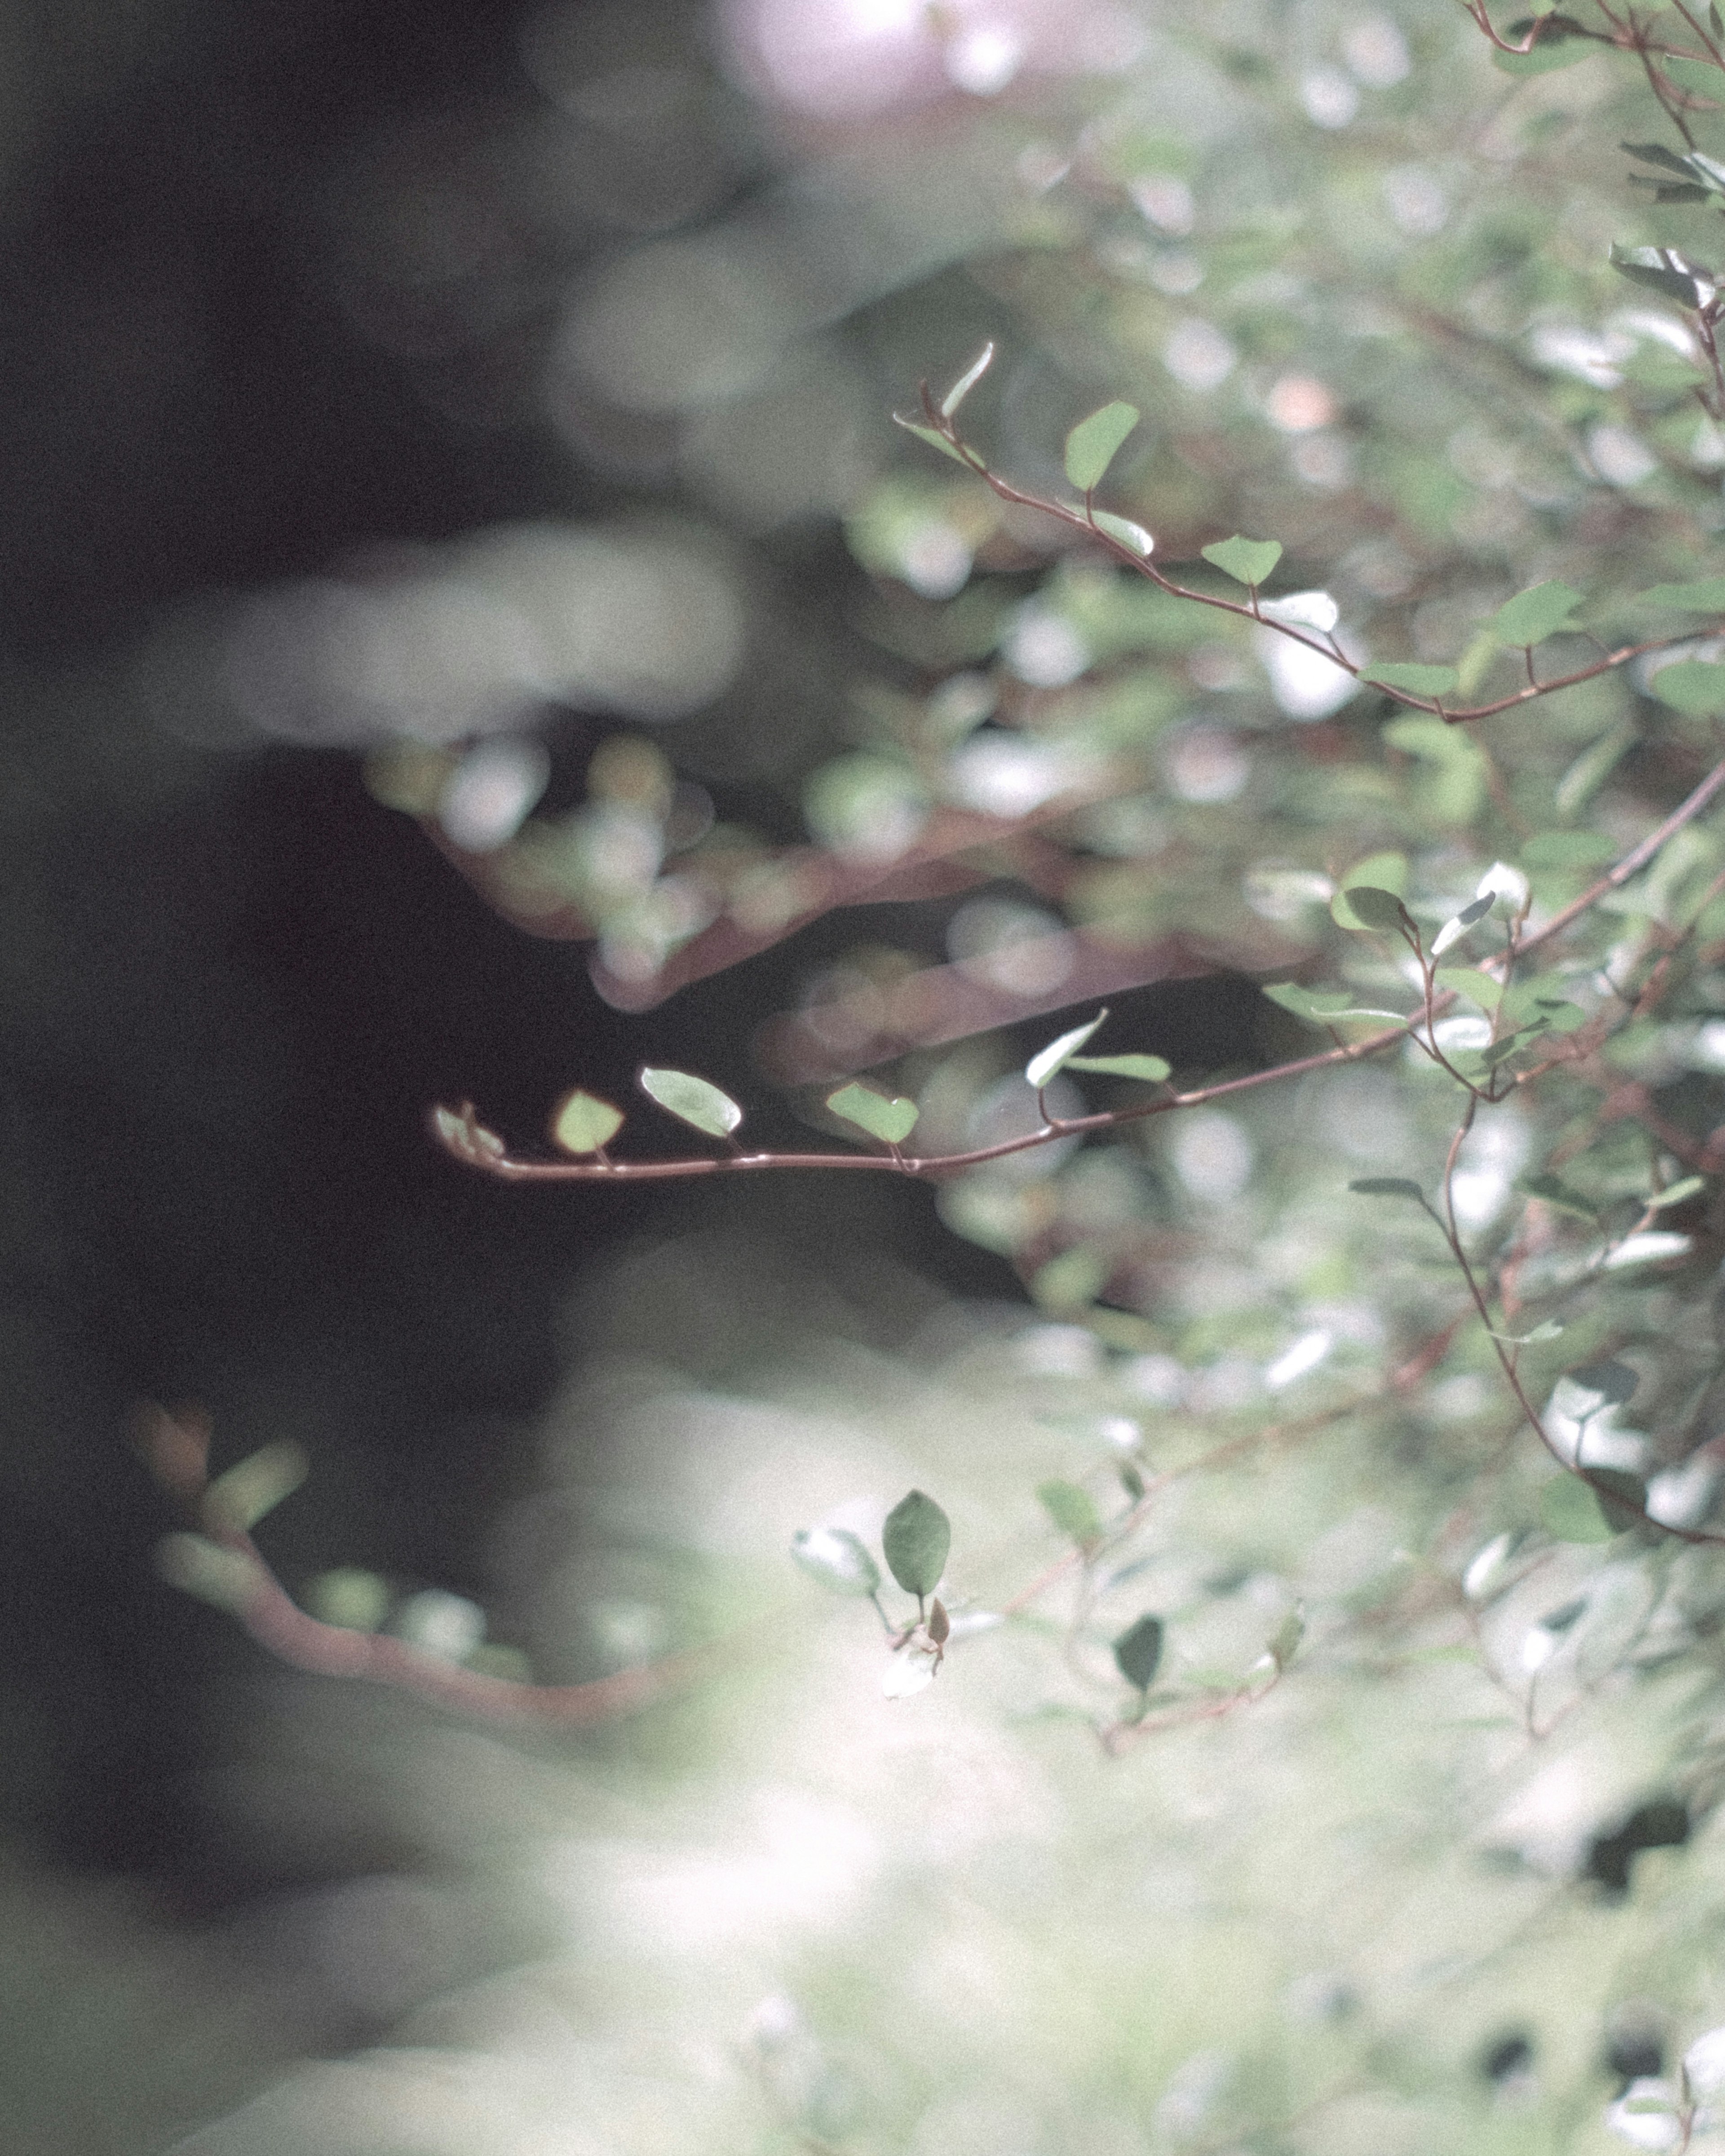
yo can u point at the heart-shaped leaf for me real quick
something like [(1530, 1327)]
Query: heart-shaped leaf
[(692, 1101), (1539, 611), (1137, 1653), (892, 1120), (582, 1123), (1371, 907), (1092, 445), (1247, 561)]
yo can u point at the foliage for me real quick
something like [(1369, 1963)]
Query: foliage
[(1424, 1300)]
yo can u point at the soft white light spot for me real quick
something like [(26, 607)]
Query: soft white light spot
[(1212, 1154), (1058, 1350), (1323, 461), (1307, 1352), (1704, 2062), (1298, 403), (1165, 202), (1314, 610), (1330, 98), (1042, 648), (1305, 684), (1207, 763), (1017, 949), (1001, 775), (984, 60), (1646, 2129), (935, 560), (1157, 1378), (1490, 1158), (1198, 355), (1176, 271), (1416, 200), (446, 1626), (1649, 1249), (491, 792), (1377, 53), (1682, 1497), (1708, 1050), (909, 1671), (1122, 1432), (1592, 355), (1619, 457)]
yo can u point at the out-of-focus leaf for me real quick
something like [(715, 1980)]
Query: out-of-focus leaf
[(238, 1499), (1092, 444), (837, 1559), (1706, 595), (1665, 271), (1536, 614), (1571, 1513), (1416, 681), (1387, 1186), (915, 1539), (1553, 1190), (1072, 1509), (582, 1123), (1695, 686), (693, 1101), (1137, 1653)]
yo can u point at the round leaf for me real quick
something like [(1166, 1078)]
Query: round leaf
[(1536, 614), (1371, 907), (582, 1123), (1705, 596), (692, 1101), (1091, 444), (892, 1120), (1247, 561), (1696, 686), (835, 1558), (1137, 1653), (916, 1538)]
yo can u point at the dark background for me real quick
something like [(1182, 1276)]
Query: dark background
[(234, 981)]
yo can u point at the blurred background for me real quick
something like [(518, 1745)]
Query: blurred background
[(470, 626)]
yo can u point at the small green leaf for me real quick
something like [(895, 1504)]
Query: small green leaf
[(228, 1577), (1387, 1186), (1532, 615), (1695, 686), (1570, 849), (1454, 929), (1678, 1194), (915, 1539), (237, 1501), (1553, 1190), (1663, 271), (1046, 1061), (967, 382), (693, 1101), (1371, 907), (1073, 1511), (1707, 595), (1571, 1513), (354, 1600), (891, 1120), (1325, 1006), (1132, 536), (939, 1627), (1591, 769), (1137, 1653), (1550, 52), (1479, 988), (1247, 561), (582, 1123), (835, 1558), (1417, 681), (1150, 1068), (1385, 872), (1131, 1481), (933, 437), (1655, 153), (1092, 445)]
